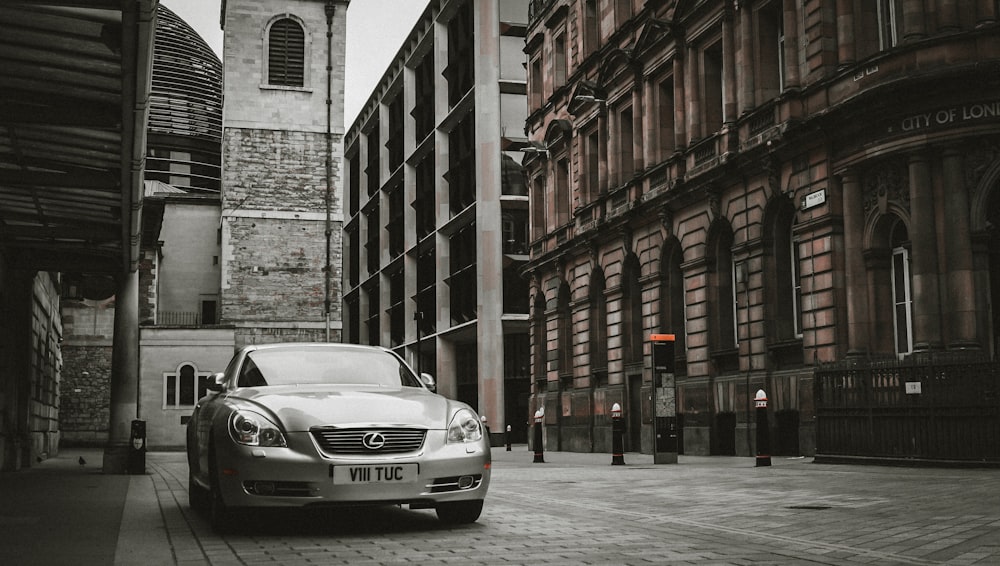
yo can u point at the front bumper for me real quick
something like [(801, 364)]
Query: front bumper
[(300, 475)]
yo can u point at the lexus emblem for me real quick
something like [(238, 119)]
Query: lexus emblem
[(373, 440)]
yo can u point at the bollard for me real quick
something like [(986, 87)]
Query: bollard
[(486, 430), (508, 438), (539, 452), (136, 464), (617, 436), (763, 435)]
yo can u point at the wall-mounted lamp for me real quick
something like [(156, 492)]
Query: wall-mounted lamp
[(588, 98), (534, 148)]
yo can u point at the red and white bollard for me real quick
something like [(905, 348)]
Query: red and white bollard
[(617, 436), (763, 435), (539, 452)]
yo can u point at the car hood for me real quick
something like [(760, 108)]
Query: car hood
[(301, 407)]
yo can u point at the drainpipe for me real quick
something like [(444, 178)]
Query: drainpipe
[(327, 268)]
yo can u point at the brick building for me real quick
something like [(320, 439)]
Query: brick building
[(281, 169), (435, 228), (779, 184)]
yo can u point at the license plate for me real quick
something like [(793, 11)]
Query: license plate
[(375, 473)]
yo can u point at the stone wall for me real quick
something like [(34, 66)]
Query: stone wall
[(86, 393)]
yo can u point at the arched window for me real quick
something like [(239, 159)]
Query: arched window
[(632, 335), (183, 387), (598, 328), (722, 297), (565, 335), (286, 47), (672, 315), (539, 343)]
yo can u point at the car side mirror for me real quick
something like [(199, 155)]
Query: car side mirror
[(428, 381), (217, 382)]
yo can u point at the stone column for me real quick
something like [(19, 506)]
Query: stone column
[(858, 320), (791, 26), (680, 126), (986, 12), (648, 118), (124, 374), (913, 20), (947, 15), (728, 68), (602, 149), (961, 292), (845, 33), (745, 69), (693, 95), (638, 127), (924, 262)]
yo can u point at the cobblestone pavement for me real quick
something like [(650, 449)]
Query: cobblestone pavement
[(579, 509)]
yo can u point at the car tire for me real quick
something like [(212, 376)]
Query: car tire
[(459, 512)]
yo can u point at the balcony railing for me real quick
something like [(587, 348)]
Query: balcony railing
[(178, 318)]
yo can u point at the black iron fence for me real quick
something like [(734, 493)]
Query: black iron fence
[(942, 408)]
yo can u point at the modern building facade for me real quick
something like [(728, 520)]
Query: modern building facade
[(282, 150), (778, 184), (435, 229)]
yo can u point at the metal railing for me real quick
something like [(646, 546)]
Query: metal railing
[(940, 408)]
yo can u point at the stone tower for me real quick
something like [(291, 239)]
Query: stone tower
[(282, 151)]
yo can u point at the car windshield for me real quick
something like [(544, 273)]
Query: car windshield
[(340, 366)]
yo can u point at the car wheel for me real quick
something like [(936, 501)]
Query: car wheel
[(196, 495), (459, 512)]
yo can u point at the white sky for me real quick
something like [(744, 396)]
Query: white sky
[(375, 31)]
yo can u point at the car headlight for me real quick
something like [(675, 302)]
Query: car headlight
[(465, 427), (253, 429)]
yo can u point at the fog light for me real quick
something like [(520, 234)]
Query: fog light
[(263, 488), (465, 482)]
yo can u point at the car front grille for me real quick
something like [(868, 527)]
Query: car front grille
[(352, 440)]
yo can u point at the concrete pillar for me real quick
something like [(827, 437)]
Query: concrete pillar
[(845, 33), (961, 291), (856, 277), (923, 235), (124, 374)]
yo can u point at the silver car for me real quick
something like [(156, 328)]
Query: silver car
[(313, 424)]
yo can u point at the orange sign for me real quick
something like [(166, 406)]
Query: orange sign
[(661, 337)]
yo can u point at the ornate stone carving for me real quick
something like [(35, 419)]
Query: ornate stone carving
[(888, 182)]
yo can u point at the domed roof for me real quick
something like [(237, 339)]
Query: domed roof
[(186, 93)]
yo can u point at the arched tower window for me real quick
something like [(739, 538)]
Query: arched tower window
[(286, 47)]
